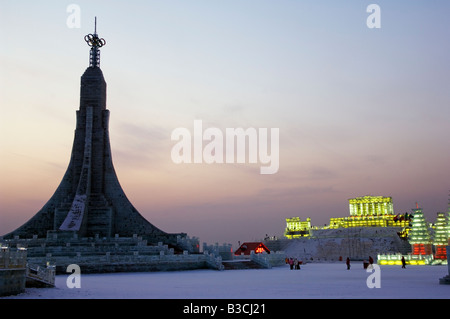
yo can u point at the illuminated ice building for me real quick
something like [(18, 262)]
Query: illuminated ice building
[(366, 211), (372, 228), (422, 238), (441, 236), (419, 237), (371, 211), (295, 228)]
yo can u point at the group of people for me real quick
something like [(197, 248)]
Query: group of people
[(294, 263), (365, 262), (370, 262)]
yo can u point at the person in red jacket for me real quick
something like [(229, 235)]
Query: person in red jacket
[(291, 263)]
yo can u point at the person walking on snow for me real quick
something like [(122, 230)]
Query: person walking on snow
[(296, 264), (348, 263)]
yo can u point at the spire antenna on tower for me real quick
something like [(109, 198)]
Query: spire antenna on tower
[(95, 43)]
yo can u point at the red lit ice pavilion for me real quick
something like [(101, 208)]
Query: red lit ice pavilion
[(247, 248)]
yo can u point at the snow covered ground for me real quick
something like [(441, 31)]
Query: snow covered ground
[(315, 280)]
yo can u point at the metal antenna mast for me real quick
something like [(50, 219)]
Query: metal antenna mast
[(95, 43)]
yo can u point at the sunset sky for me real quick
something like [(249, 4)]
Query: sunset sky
[(360, 111)]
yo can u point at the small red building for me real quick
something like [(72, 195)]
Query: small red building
[(247, 248)]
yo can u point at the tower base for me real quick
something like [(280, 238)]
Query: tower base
[(110, 254), (445, 280)]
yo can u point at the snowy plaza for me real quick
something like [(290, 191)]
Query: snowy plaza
[(312, 281)]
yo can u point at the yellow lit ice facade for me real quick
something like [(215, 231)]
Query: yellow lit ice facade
[(367, 221), (369, 211), (396, 259), (295, 228), (371, 206), (366, 211)]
